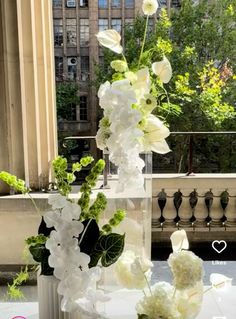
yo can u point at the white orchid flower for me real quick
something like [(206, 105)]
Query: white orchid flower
[(220, 282), (163, 69), (149, 7), (142, 84), (155, 133), (179, 240), (110, 39), (57, 201)]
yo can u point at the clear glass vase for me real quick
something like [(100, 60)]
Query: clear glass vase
[(137, 203)]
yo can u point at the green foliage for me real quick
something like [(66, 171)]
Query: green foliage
[(14, 291), (36, 246), (200, 42), (108, 248), (67, 96), (114, 221), (11, 180), (64, 179)]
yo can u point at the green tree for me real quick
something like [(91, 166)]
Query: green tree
[(67, 99)]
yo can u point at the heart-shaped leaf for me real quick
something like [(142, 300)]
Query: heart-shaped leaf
[(108, 248)]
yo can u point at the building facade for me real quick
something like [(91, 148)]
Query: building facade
[(76, 22)]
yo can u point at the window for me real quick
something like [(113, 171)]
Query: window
[(116, 3), (59, 68), (102, 4), (116, 25), (129, 22), (84, 66), (58, 32), (83, 3), (101, 60), (129, 3), (57, 3), (72, 68), (102, 24), (83, 108), (84, 32), (71, 32), (175, 3), (71, 3)]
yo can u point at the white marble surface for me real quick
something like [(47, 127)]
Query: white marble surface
[(216, 305)]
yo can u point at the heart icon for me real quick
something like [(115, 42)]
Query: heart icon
[(219, 245)]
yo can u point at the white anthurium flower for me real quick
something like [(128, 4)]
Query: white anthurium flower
[(57, 201), (155, 133), (163, 69), (179, 240), (110, 39), (220, 282), (149, 7), (148, 103), (131, 270)]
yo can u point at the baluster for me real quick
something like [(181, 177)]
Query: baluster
[(161, 201), (230, 212), (185, 213), (216, 212), (208, 202), (200, 213), (224, 201), (193, 200), (169, 213), (177, 203)]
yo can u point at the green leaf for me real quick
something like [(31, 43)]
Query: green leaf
[(108, 248)]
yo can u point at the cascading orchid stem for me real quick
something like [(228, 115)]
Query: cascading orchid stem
[(144, 41)]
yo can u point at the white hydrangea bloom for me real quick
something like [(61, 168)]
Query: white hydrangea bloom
[(189, 301), (186, 268), (159, 305)]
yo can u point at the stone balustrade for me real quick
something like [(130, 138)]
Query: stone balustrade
[(202, 203)]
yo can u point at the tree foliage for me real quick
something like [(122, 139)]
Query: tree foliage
[(200, 42), (67, 97)]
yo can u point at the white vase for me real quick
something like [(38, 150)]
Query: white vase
[(50, 301)]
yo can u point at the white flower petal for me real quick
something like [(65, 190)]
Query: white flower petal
[(111, 40), (163, 69), (149, 7), (179, 240), (220, 281)]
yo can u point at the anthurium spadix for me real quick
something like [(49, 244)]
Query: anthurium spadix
[(110, 39), (163, 69)]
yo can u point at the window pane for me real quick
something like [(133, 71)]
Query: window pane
[(84, 66), (57, 3), (58, 32), (72, 68), (71, 32), (102, 3), (71, 3), (116, 3), (83, 3), (83, 108), (129, 3), (84, 32), (102, 24), (116, 25), (59, 68)]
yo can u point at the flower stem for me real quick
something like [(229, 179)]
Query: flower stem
[(148, 284), (35, 206), (143, 44)]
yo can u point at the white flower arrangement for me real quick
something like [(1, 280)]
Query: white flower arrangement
[(180, 300), (128, 128)]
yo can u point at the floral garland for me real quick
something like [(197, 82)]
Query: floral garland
[(128, 126)]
